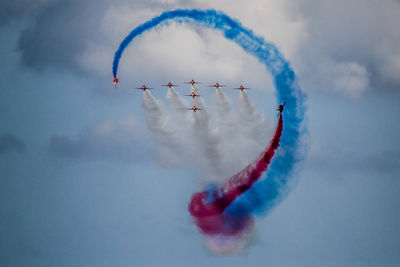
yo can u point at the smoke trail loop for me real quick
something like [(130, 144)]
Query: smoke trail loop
[(265, 193)]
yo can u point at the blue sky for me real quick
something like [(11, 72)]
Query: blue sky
[(80, 183)]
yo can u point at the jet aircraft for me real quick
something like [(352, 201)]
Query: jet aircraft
[(194, 108), (241, 88), (115, 81), (281, 106), (217, 85), (170, 85), (193, 94), (192, 82), (144, 88)]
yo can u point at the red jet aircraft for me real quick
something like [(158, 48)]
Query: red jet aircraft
[(194, 108), (144, 88), (241, 88), (192, 82), (280, 108), (193, 94), (170, 85), (217, 85), (115, 81)]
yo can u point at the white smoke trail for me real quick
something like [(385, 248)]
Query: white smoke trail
[(176, 101), (179, 106), (169, 147), (194, 89), (220, 144), (255, 126), (228, 126), (223, 104), (208, 142)]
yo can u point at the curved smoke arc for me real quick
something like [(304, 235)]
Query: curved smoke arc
[(266, 192)]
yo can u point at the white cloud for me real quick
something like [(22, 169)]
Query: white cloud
[(310, 34), (346, 32), (351, 78), (177, 51), (271, 19), (122, 139)]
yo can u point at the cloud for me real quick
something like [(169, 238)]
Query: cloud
[(59, 33), (161, 54), (353, 33), (10, 10), (351, 78), (110, 139), (87, 42), (338, 46), (341, 161), (63, 30), (9, 143)]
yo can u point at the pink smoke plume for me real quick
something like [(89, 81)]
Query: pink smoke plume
[(208, 207)]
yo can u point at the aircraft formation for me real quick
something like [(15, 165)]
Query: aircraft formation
[(193, 94)]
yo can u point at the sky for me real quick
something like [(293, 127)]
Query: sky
[(82, 178)]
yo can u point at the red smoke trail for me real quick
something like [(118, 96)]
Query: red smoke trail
[(207, 207)]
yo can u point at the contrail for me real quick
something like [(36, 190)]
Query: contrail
[(255, 125), (176, 101), (179, 105), (255, 121), (222, 102), (199, 125), (228, 127), (209, 140), (169, 147)]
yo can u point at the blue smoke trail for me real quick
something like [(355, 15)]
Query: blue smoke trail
[(267, 192)]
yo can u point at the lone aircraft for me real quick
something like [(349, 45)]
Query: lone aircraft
[(115, 81)]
